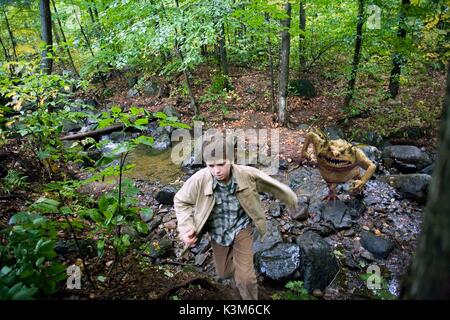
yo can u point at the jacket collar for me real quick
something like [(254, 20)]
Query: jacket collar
[(236, 175)]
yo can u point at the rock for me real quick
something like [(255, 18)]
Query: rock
[(171, 111), (372, 138), (380, 247), (154, 223), (132, 93), (323, 229), (428, 169), (67, 248), (71, 126), (334, 132), (342, 213), (413, 186), (202, 246), (283, 164), (172, 224), (150, 88), (280, 262), (275, 209), (405, 157), (371, 152), (318, 265), (303, 126), (166, 195), (368, 256), (163, 142), (132, 81), (300, 213), (302, 87), (161, 249), (349, 233), (200, 259), (317, 293), (164, 91), (273, 236), (146, 217)]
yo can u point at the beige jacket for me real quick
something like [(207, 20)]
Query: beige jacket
[(195, 200)]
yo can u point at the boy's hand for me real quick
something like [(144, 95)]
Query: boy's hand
[(189, 238)]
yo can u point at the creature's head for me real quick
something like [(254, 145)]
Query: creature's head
[(336, 154)]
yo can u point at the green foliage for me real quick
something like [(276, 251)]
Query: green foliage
[(382, 293), (295, 291), (14, 180), (29, 264)]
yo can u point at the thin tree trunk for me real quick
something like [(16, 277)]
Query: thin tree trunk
[(301, 38), (186, 73), (46, 34), (63, 36), (357, 54), (430, 270), (284, 66), (5, 51), (223, 51), (398, 59), (271, 72), (11, 35)]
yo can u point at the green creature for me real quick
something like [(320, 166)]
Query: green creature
[(338, 162)]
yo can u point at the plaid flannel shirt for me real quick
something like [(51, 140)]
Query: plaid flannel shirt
[(227, 217)]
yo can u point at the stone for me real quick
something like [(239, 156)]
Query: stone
[(275, 209), (161, 249), (302, 88), (166, 195), (150, 88), (71, 126), (132, 93), (378, 246), (201, 246), (404, 156), (279, 262), (200, 259), (163, 142), (301, 212), (334, 132), (318, 265), (171, 111), (371, 152), (413, 186), (372, 138), (341, 214), (428, 169), (172, 224), (154, 223), (273, 237)]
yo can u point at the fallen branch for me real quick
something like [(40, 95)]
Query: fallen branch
[(205, 283), (93, 133)]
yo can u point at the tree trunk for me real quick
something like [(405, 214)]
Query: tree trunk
[(398, 59), (11, 35), (271, 72), (186, 73), (357, 54), (301, 38), (64, 39), (46, 34), (223, 51), (430, 270), (284, 66), (5, 51)]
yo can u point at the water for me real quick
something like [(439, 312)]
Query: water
[(153, 166)]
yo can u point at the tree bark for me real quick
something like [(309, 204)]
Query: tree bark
[(223, 51), (357, 54), (64, 39), (430, 270), (94, 133), (46, 34), (301, 38), (284, 66), (5, 51), (398, 59), (11, 35), (271, 71)]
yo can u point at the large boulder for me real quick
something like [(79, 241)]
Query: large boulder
[(170, 111), (318, 265), (303, 88), (406, 159), (279, 262), (150, 88), (413, 186), (334, 132), (371, 152), (378, 246), (166, 195)]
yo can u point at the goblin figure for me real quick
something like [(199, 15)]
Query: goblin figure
[(338, 162)]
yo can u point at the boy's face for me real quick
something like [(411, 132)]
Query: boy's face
[(220, 169)]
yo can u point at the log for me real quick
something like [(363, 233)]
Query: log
[(93, 133)]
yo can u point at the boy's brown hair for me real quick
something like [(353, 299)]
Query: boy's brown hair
[(217, 147)]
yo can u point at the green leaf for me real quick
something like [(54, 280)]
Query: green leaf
[(116, 110), (160, 115), (141, 122), (46, 205), (148, 141), (147, 213), (101, 278), (141, 227), (105, 122), (43, 155)]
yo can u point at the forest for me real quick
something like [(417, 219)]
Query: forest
[(95, 95)]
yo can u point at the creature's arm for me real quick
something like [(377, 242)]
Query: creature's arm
[(313, 138), (366, 164)]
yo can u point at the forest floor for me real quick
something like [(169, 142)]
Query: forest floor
[(247, 107)]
